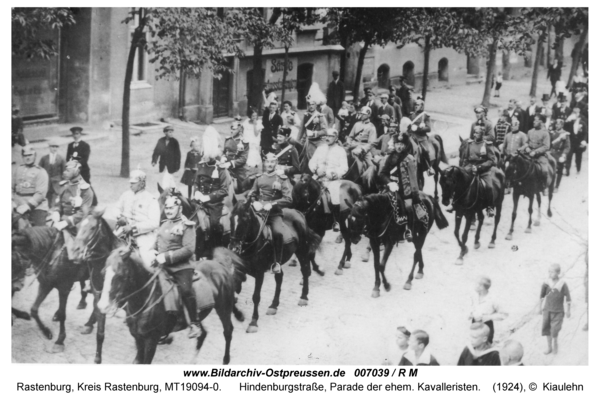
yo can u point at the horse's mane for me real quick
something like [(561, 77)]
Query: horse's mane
[(227, 258), (377, 201)]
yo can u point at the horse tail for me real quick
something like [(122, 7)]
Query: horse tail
[(443, 157), (313, 240), (440, 220)]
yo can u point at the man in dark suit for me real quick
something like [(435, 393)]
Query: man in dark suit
[(80, 150), (514, 110), (577, 127), (405, 97), (54, 164), (168, 155), (271, 123), (385, 109), (374, 105), (336, 93), (531, 111)]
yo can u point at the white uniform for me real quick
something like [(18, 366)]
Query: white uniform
[(326, 160), (143, 214)]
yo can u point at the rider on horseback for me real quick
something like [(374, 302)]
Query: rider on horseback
[(329, 164), (419, 128), (362, 138), (513, 141), (271, 193), (538, 143), (30, 185), (399, 174), (174, 250), (287, 155), (482, 121), (139, 215), (236, 155)]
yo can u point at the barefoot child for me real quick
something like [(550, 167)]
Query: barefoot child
[(552, 298)]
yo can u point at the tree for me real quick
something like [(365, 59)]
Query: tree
[(369, 26), (29, 26), (181, 41)]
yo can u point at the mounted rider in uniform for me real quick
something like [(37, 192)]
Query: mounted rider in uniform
[(362, 139), (538, 143), (236, 154), (287, 155), (30, 186), (271, 192), (419, 130)]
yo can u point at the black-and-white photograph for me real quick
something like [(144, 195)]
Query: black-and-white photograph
[(300, 186)]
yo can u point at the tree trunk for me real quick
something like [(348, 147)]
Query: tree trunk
[(577, 55), (181, 105), (536, 63), (506, 65), (285, 70), (359, 67), (258, 78), (426, 52), (343, 58), (491, 67), (549, 47), (137, 36), (560, 50)]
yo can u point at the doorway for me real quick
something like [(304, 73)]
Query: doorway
[(408, 71), (443, 69), (221, 97)]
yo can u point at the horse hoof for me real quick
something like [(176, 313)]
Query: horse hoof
[(347, 265), (509, 237), (458, 262), (293, 263), (549, 213), (387, 287), (375, 294), (58, 348), (528, 230), (492, 245), (407, 286), (271, 311), (365, 258), (477, 245), (339, 272), (419, 276), (82, 305), (339, 239), (165, 340), (47, 333), (536, 223), (55, 317), (303, 302), (97, 360), (87, 330), (319, 272), (252, 329)]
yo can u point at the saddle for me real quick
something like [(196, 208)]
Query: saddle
[(289, 235), (203, 219)]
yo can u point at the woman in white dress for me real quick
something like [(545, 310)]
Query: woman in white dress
[(290, 119), (252, 129)]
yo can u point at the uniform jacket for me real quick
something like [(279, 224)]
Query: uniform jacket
[(329, 159), (365, 135), (31, 184), (397, 110), (530, 113), (336, 94), (386, 109), (212, 181), (488, 132), (500, 130), (80, 151), (473, 157), (560, 143), (514, 141), (521, 116), (402, 169), (55, 171), (538, 141), (70, 190), (141, 210), (191, 166), (265, 189), (289, 159), (421, 132), (169, 155), (177, 240), (236, 151), (269, 132), (318, 126)]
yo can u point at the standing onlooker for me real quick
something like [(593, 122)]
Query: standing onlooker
[(554, 293), (402, 337), (271, 122), (327, 113), (418, 354), (554, 73), (191, 165), (385, 109), (17, 128), (532, 110), (396, 103), (269, 96), (336, 93), (511, 353), (484, 307), (374, 105), (479, 352), (30, 186), (168, 156), (252, 131), (498, 85), (560, 146), (515, 110), (80, 150), (54, 164), (405, 97), (577, 127)]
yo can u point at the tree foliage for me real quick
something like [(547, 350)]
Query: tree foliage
[(30, 27)]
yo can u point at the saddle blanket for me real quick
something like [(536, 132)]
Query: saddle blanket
[(204, 293), (288, 235)]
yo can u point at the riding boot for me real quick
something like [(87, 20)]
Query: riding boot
[(169, 326), (277, 252), (192, 308)]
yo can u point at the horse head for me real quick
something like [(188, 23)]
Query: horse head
[(448, 182), (305, 191), (357, 221), (518, 166), (242, 219), (90, 235), (119, 278)]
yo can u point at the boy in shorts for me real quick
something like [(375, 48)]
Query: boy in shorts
[(552, 299)]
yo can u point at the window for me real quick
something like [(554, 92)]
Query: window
[(140, 62)]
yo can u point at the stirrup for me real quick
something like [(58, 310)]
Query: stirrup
[(276, 268), (490, 212), (195, 331), (408, 235), (430, 172)]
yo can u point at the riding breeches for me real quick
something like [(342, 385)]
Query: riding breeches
[(276, 224), (184, 279), (145, 244)]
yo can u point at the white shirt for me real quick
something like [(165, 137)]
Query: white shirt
[(329, 159), (141, 210), (52, 158)]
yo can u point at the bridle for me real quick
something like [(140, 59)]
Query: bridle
[(316, 202), (529, 170), (454, 168), (250, 244)]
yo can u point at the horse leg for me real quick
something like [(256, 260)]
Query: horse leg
[(464, 249), (478, 232), (389, 246), (224, 313), (202, 337), (496, 221), (43, 291), (530, 210), (436, 176), (89, 326), (345, 262), (417, 258), (509, 236), (82, 303), (550, 192), (150, 344), (101, 318), (315, 266), (305, 270), (139, 356), (258, 282), (272, 310), (375, 248), (20, 314), (538, 197), (63, 295)]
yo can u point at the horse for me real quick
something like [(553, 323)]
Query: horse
[(521, 172), (249, 242), (436, 156), (374, 215), (18, 266), (93, 244), (468, 202), (308, 199), (129, 284), (366, 178)]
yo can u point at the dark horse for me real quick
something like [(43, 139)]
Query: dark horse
[(93, 244), (435, 146), (374, 215), (130, 285), (522, 173), (248, 241), (469, 199), (307, 196)]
